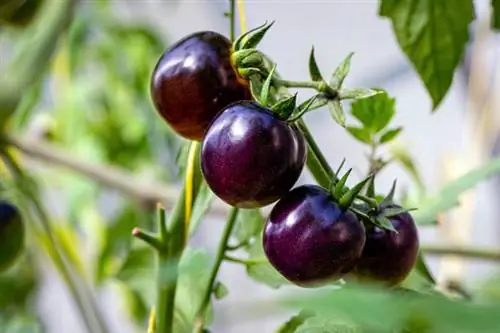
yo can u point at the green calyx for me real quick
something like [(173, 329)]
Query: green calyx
[(341, 193), (380, 215), (252, 38)]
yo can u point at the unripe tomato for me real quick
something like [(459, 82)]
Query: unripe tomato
[(310, 239), (11, 235), (193, 80), (249, 157)]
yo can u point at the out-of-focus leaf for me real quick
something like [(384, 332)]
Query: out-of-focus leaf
[(433, 35), (133, 302), (401, 155), (260, 269), (24, 324), (220, 290), (295, 322), (26, 106), (495, 14), (448, 196), (117, 241), (194, 273), (390, 135), (202, 204), (17, 286), (366, 305), (249, 224), (360, 134), (319, 324)]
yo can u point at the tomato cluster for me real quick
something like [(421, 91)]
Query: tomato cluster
[(251, 157)]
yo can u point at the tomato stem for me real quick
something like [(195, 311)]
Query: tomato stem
[(221, 251)]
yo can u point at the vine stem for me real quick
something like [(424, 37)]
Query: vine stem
[(463, 251), (221, 251)]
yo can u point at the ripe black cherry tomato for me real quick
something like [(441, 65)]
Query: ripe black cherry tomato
[(11, 235), (193, 80), (309, 239), (249, 157), (388, 257)]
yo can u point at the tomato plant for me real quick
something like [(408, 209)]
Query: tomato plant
[(151, 143)]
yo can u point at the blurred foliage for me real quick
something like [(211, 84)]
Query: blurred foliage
[(95, 103)]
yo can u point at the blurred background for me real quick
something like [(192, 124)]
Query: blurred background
[(94, 106)]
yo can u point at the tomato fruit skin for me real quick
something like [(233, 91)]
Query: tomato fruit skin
[(249, 157), (11, 235), (309, 239), (193, 80), (388, 257)]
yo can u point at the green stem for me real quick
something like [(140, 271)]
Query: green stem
[(245, 262), (167, 266), (462, 251), (319, 86), (316, 161), (221, 251)]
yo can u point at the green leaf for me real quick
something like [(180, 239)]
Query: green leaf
[(433, 35), (323, 324), (261, 270), (202, 203), (249, 224), (375, 112), (24, 324), (295, 322), (495, 14), (285, 107), (314, 71), (390, 135), (358, 93), (361, 134), (194, 273), (220, 290), (340, 73), (366, 305), (448, 196), (337, 112)]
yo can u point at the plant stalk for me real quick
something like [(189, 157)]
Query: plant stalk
[(221, 251)]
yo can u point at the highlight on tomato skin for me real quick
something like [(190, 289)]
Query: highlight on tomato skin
[(12, 235), (249, 157), (310, 240), (388, 257), (194, 80)]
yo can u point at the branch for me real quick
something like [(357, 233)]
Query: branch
[(110, 176), (463, 251)]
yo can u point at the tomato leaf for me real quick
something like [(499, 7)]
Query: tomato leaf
[(260, 269), (365, 305), (390, 135), (433, 35), (323, 324), (448, 196), (400, 154), (495, 14), (360, 134), (220, 290), (295, 322), (202, 203), (249, 224), (375, 112)]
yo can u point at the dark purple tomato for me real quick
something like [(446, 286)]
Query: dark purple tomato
[(11, 235), (249, 157), (193, 80), (388, 257), (309, 239)]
